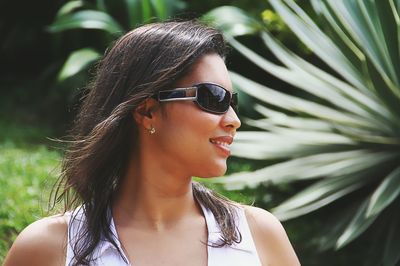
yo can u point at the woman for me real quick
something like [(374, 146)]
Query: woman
[(160, 111)]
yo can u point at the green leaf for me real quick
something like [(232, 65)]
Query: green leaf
[(330, 164), (146, 10), (276, 119), (77, 61), (391, 254), (389, 26), (296, 104), (338, 27), (101, 5), (374, 29), (385, 94), (161, 8), (304, 136), (69, 7), (357, 226), (367, 34), (247, 145), (134, 12), (315, 81), (363, 136), (87, 19), (232, 20), (334, 224), (385, 194), (329, 87), (282, 119), (319, 43), (320, 194), (165, 9)]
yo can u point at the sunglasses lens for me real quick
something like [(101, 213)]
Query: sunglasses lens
[(213, 98), (235, 103)]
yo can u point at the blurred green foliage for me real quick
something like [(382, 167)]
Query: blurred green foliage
[(110, 19), (26, 177)]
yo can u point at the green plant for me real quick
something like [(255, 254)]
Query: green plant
[(341, 132), (26, 178), (113, 18)]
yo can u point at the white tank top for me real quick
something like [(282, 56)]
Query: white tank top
[(238, 254)]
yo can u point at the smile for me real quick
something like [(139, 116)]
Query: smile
[(222, 144), (225, 144)]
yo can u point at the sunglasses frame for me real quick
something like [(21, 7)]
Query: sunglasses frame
[(190, 94)]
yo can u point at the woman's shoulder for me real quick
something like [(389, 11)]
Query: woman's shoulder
[(263, 223), (270, 238), (41, 243), (261, 218)]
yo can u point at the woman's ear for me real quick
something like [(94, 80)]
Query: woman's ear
[(144, 113)]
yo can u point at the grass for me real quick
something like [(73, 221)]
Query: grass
[(27, 172)]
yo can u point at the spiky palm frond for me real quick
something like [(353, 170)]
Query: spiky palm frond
[(346, 137)]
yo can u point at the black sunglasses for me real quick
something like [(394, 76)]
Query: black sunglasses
[(210, 97)]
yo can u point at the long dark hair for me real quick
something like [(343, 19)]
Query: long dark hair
[(143, 61)]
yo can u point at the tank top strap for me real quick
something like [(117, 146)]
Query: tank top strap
[(242, 253), (75, 223), (104, 254)]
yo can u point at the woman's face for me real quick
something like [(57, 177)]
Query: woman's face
[(189, 139)]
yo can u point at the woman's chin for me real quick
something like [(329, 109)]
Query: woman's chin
[(217, 171)]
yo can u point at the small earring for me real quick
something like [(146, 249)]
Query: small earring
[(152, 130)]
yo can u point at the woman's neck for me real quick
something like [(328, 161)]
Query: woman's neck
[(154, 198)]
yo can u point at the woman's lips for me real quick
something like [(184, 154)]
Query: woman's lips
[(222, 143)]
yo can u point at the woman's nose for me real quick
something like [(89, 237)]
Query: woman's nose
[(230, 119)]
